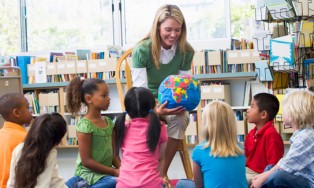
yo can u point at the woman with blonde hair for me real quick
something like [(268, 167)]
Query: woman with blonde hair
[(163, 52), (219, 161)]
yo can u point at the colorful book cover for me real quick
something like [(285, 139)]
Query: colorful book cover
[(282, 53), (22, 62)]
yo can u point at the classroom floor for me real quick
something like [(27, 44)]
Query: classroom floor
[(67, 158)]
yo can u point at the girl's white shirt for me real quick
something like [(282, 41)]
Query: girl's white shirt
[(48, 178)]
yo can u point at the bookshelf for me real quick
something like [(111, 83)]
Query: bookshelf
[(60, 87), (224, 93), (226, 76), (290, 27)]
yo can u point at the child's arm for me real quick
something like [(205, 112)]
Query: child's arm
[(258, 180), (162, 151), (162, 148), (198, 176), (116, 162), (86, 157)]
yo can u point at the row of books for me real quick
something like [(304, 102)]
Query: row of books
[(85, 54), (71, 135), (42, 72), (73, 120), (191, 130), (44, 103), (205, 62), (8, 61), (111, 52), (33, 102)]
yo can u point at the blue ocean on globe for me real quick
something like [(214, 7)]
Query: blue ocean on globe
[(180, 90)]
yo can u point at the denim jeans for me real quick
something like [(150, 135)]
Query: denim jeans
[(78, 182), (268, 167), (283, 179), (185, 183)]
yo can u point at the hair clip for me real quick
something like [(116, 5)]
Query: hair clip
[(150, 111)]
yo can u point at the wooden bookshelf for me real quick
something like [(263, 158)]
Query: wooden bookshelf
[(226, 76)]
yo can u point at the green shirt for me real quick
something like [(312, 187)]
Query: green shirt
[(142, 58), (101, 148)]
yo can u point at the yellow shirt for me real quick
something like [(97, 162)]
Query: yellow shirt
[(11, 135)]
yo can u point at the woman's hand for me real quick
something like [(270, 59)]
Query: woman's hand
[(163, 110)]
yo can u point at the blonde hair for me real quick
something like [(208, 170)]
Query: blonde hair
[(298, 106), (219, 130), (162, 14)]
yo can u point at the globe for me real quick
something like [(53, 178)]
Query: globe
[(180, 90)]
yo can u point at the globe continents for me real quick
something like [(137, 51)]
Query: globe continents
[(180, 90)]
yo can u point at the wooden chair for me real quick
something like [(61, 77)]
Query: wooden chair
[(124, 63)]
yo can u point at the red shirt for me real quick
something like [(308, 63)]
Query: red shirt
[(263, 147)]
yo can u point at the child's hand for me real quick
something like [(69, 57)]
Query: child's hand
[(116, 172), (258, 180), (163, 110)]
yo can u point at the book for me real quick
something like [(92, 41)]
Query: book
[(40, 72), (306, 33), (282, 53), (53, 56), (22, 62), (281, 80), (83, 54), (258, 87), (279, 114), (263, 71), (247, 94)]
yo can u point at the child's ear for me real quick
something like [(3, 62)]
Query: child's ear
[(88, 98), (264, 114), (16, 112)]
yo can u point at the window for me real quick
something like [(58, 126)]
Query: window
[(68, 24), (65, 25), (208, 21), (9, 27)]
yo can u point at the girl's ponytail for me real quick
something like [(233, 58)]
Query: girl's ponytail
[(153, 132), (119, 130), (74, 96)]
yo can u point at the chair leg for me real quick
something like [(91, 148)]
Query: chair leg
[(185, 158)]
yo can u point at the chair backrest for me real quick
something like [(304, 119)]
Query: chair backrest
[(123, 65)]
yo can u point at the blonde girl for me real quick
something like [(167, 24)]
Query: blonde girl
[(219, 160)]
